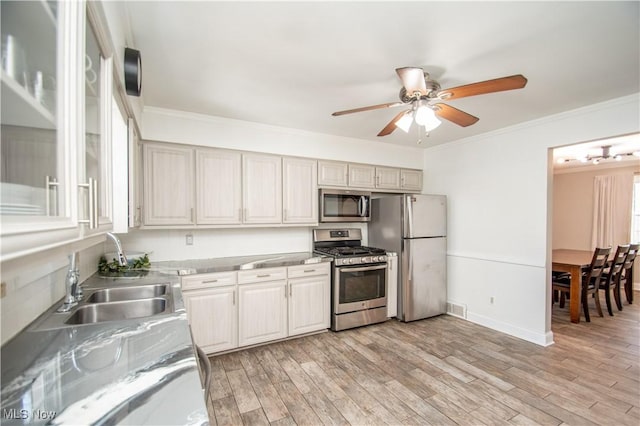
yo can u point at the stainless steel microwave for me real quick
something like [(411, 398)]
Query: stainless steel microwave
[(344, 206)]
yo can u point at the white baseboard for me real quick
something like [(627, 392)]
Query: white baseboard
[(521, 333)]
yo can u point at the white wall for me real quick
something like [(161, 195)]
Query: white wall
[(499, 229), (197, 129)]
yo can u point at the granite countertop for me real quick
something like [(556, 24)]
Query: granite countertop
[(130, 371), (226, 264)]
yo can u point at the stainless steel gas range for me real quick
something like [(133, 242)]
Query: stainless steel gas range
[(359, 279)]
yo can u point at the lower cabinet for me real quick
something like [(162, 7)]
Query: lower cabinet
[(227, 310), (263, 312), (213, 316), (309, 304)]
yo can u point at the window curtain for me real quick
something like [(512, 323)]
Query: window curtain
[(611, 210)]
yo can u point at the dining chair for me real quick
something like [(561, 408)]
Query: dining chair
[(610, 279), (590, 282), (626, 276)]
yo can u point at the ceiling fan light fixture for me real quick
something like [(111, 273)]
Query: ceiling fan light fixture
[(426, 117), (404, 123)]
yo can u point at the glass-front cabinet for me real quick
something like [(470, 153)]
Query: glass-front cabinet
[(52, 139)]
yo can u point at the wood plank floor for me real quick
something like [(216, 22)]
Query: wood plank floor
[(439, 371)]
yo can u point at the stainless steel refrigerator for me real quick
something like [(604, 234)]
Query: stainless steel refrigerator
[(414, 226)]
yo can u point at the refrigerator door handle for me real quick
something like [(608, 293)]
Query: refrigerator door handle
[(409, 203)]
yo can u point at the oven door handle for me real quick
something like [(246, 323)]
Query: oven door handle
[(204, 360), (363, 268)]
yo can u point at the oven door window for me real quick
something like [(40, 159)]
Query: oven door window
[(361, 283)]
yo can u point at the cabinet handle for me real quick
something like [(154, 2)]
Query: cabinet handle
[(51, 184), (245, 214), (92, 189), (192, 214), (209, 281), (290, 290), (263, 275), (234, 298), (285, 214), (308, 270)]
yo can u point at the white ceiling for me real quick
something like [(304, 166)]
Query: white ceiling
[(294, 63)]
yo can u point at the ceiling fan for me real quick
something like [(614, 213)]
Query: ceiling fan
[(423, 94)]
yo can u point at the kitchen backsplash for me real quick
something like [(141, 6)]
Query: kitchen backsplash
[(212, 243)]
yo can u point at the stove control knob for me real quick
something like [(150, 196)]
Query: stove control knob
[(352, 260), (374, 258), (367, 260)]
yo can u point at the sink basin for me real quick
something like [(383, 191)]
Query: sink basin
[(113, 311), (117, 294)]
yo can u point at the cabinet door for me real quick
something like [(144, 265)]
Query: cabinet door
[(362, 176), (95, 174), (219, 187), (262, 188), (39, 77), (213, 316), (300, 191), (332, 173), (411, 180), (309, 308), (263, 312), (387, 178), (168, 185)]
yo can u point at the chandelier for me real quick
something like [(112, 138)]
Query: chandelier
[(606, 155)]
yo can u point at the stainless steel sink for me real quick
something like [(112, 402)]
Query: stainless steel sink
[(117, 294), (114, 311)]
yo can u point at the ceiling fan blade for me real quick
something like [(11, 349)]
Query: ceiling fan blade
[(367, 108), (412, 80), (389, 128), (455, 115), (496, 85)]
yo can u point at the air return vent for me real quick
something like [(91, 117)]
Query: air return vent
[(457, 309)]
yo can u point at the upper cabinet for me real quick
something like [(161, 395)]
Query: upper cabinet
[(54, 179), (96, 166), (187, 186), (411, 180), (333, 173), (168, 185), (362, 176), (218, 186), (299, 190), (262, 188), (368, 177), (387, 178)]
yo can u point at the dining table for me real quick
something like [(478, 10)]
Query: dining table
[(574, 262)]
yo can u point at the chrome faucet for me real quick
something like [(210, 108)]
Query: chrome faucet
[(73, 292), (122, 259)]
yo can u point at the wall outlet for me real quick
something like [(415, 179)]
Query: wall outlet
[(189, 239)]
